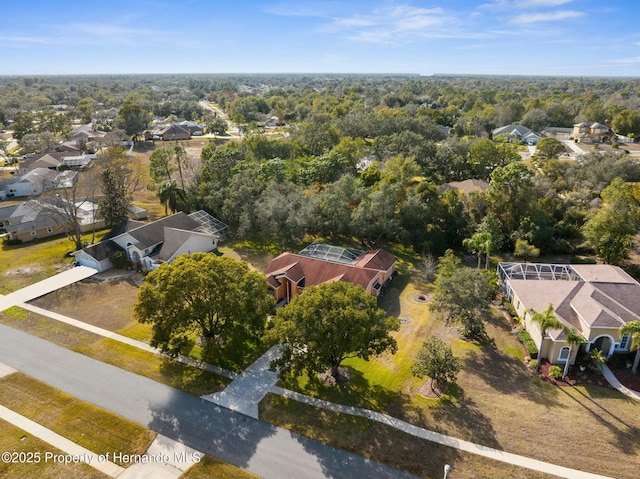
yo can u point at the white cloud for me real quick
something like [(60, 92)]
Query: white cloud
[(526, 18), (20, 40), (398, 23), (507, 5), (629, 60), (539, 3)]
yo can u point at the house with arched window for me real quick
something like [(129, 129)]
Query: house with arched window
[(596, 300)]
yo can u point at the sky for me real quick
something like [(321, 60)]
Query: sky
[(496, 37)]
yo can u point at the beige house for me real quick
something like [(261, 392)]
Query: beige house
[(594, 299), (587, 132)]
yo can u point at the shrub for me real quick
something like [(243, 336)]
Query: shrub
[(531, 347), (506, 304), (582, 260), (555, 372), (533, 363), (119, 260)]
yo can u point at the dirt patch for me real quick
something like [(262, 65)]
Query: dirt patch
[(106, 304), (23, 271), (422, 297), (427, 390), (344, 376)]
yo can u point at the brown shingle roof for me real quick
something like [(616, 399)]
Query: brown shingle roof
[(316, 271), (377, 259)]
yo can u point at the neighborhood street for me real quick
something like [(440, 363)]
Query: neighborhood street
[(253, 445)]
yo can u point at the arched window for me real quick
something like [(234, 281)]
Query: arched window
[(564, 354)]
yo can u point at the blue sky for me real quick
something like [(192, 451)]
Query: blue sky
[(523, 37)]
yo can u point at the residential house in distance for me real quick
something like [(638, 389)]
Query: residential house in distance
[(50, 161), (289, 273), (36, 219), (151, 244), (195, 129), (594, 299), (35, 182), (466, 187), (517, 133), (171, 132), (587, 132)]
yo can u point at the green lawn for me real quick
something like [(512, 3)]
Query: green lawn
[(91, 427), (13, 439), (21, 265), (210, 468), (496, 401)]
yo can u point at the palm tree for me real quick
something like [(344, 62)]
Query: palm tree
[(633, 328), (573, 338), (546, 320), (479, 243), (171, 196)]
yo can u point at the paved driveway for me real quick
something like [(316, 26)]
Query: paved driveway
[(254, 445)]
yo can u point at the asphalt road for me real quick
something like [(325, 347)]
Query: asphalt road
[(253, 445)]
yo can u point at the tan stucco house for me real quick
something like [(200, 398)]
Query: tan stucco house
[(587, 132), (594, 299)]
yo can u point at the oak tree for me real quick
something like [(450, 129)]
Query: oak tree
[(327, 324), (201, 295)]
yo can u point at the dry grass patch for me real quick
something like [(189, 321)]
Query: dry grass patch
[(90, 426), (106, 304), (496, 402), (383, 443), (209, 468), (13, 439)]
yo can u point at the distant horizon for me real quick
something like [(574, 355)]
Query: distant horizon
[(550, 38), (346, 74)]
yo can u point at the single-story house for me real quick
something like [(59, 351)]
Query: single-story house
[(158, 242), (290, 273), (50, 161), (596, 300), (36, 219), (517, 133), (195, 129), (170, 132), (34, 182)]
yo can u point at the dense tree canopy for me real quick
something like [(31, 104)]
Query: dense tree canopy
[(327, 324), (203, 296), (613, 226), (462, 296)]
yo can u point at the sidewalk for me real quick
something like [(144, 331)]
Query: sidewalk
[(124, 339), (54, 439), (478, 449), (179, 459), (249, 388), (609, 376)]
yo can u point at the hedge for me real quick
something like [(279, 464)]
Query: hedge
[(531, 347)]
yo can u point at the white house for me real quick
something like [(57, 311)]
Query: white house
[(34, 182), (149, 245)]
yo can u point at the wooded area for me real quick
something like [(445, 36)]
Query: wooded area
[(365, 157)]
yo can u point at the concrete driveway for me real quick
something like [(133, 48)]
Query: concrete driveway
[(46, 286)]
